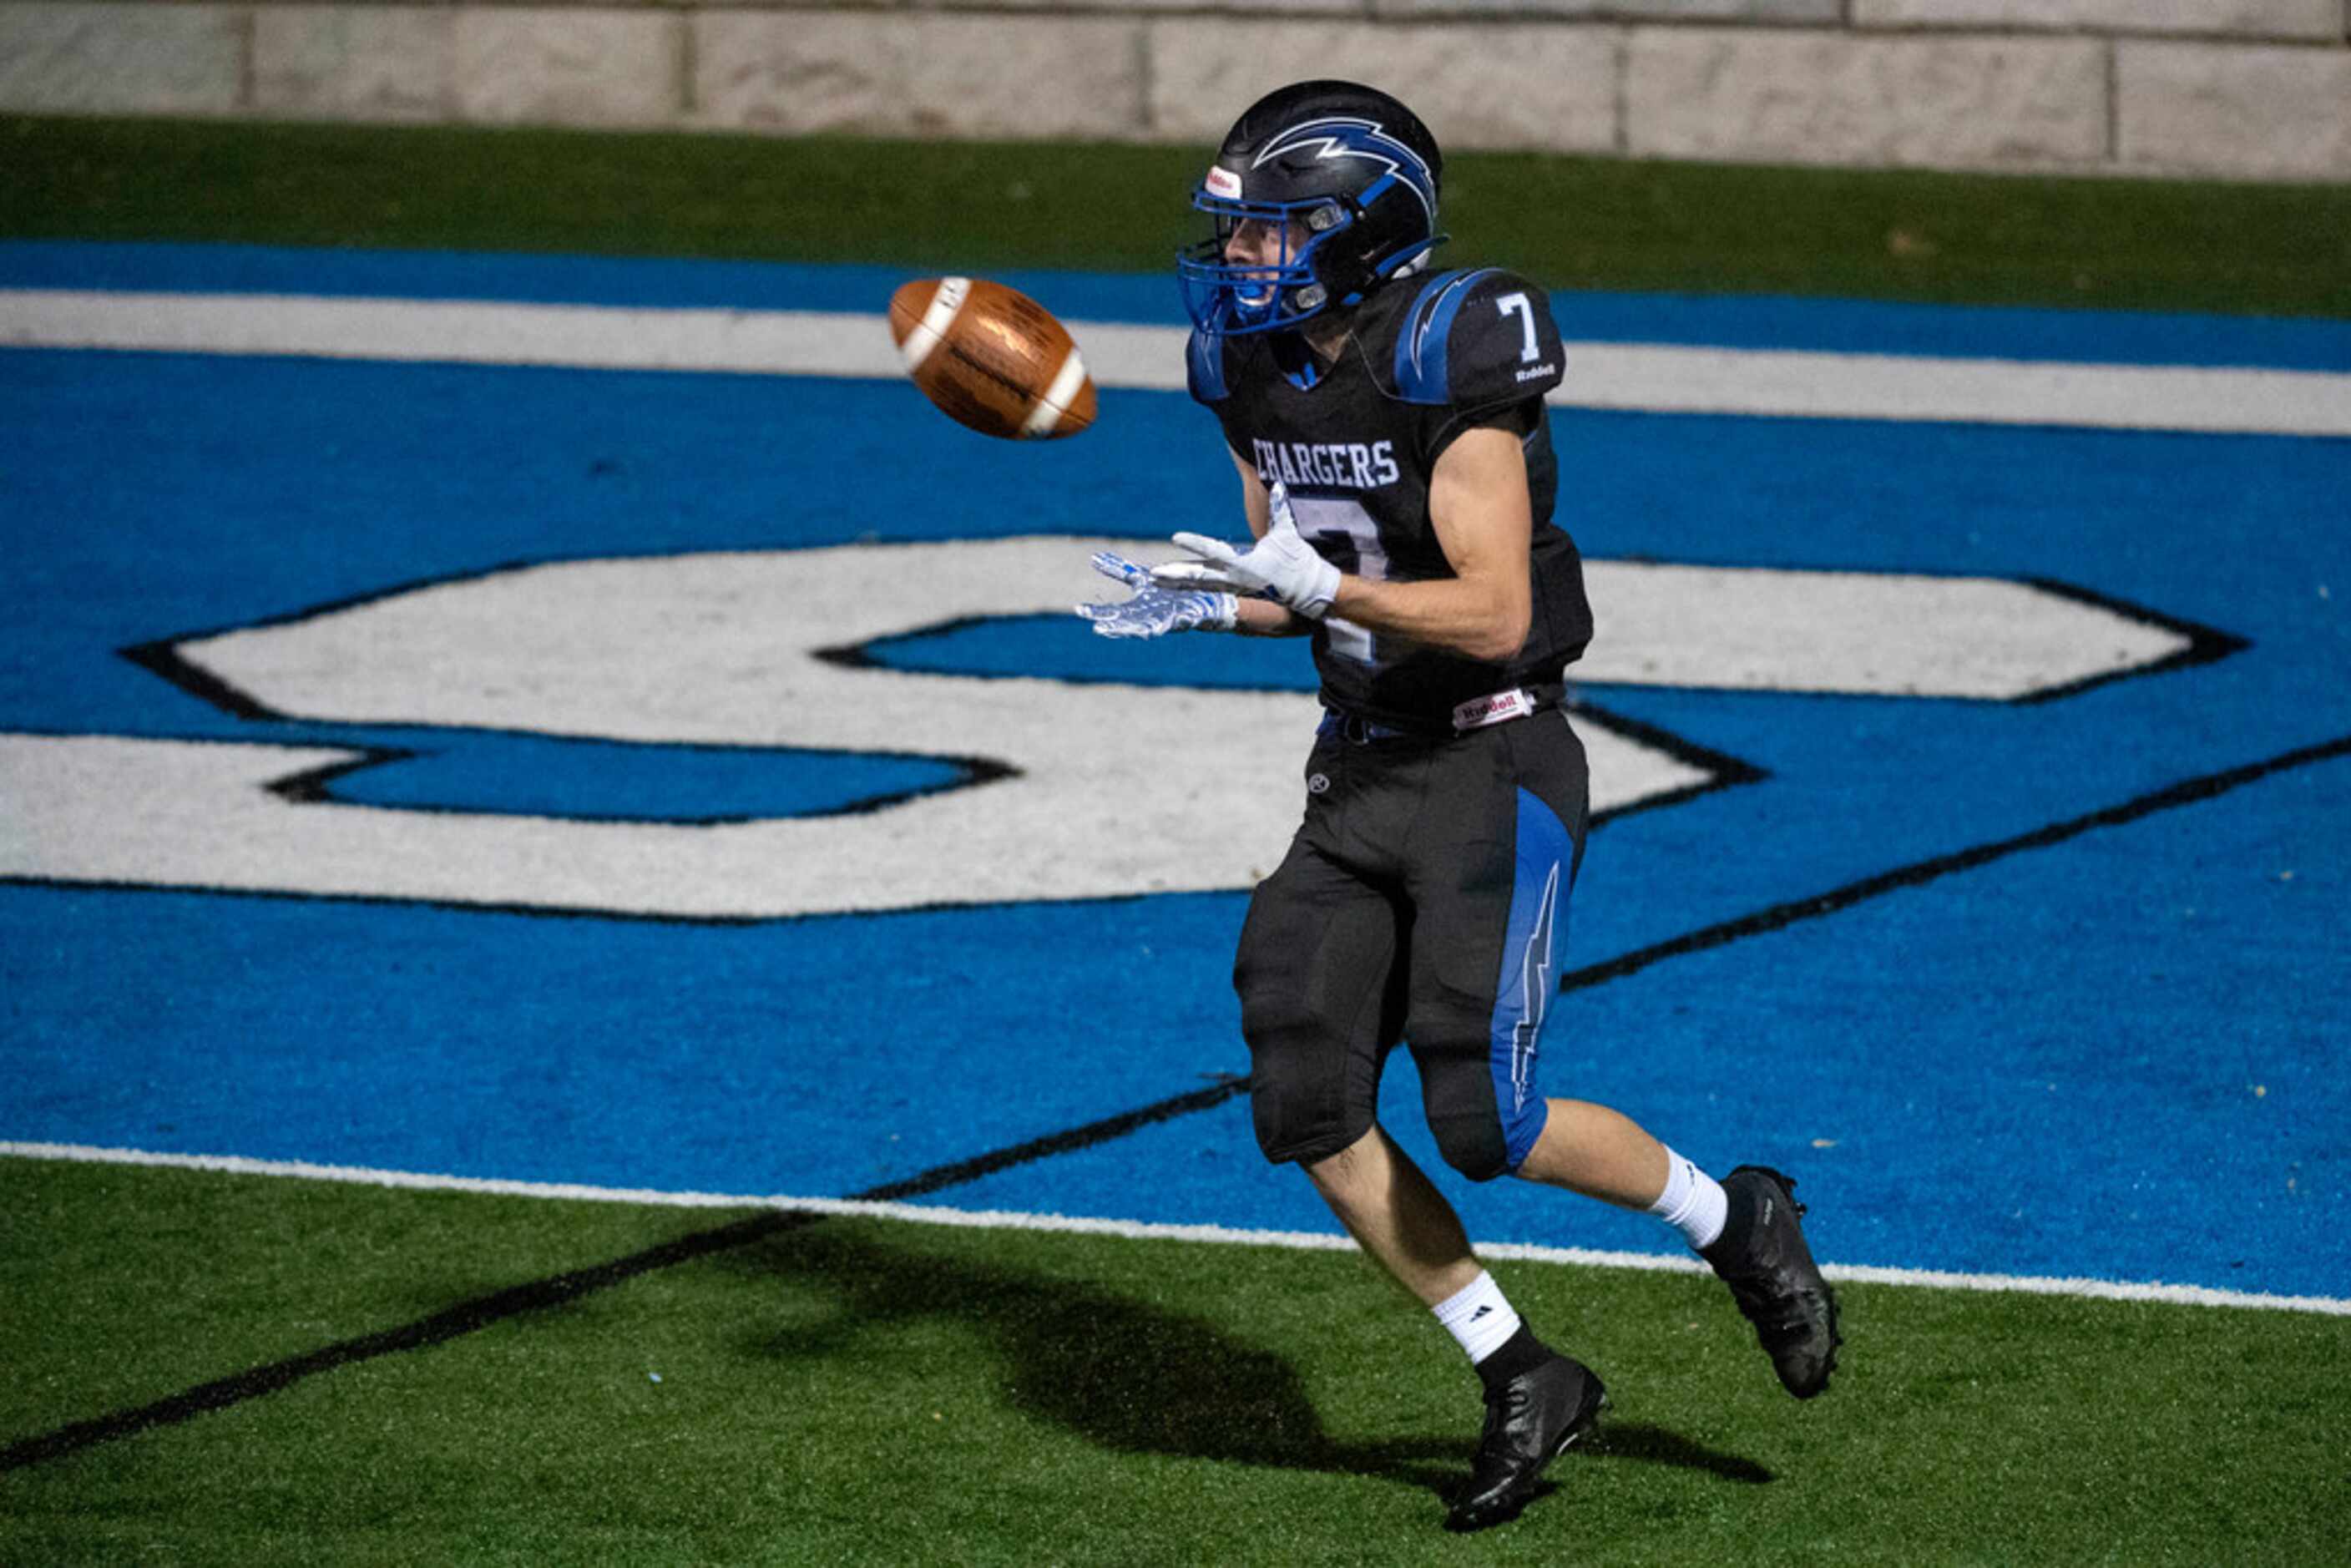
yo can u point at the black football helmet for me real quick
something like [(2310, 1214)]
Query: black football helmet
[(1343, 174)]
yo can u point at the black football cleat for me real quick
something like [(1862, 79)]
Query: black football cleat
[(1762, 1256), (1531, 1420)]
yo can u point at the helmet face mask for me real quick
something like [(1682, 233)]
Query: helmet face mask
[(1266, 286), (1343, 179)]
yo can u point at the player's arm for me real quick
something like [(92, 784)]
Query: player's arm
[(1261, 617), (1484, 523), (1478, 505), (1501, 354)]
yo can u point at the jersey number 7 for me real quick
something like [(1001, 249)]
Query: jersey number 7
[(1519, 305)]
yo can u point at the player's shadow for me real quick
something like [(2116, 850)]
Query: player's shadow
[(1129, 1375)]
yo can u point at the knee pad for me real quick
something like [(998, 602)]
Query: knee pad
[(1304, 1098), (1310, 1096), (1474, 1145), (1302, 1128), (1482, 1131)]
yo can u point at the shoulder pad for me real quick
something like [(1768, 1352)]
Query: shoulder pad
[(1477, 337), (1203, 364)]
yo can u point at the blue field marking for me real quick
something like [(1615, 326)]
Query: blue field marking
[(1949, 1075), (1730, 321), (1950, 331), (815, 1057), (1040, 645), (542, 279), (592, 780), (2043, 1066)]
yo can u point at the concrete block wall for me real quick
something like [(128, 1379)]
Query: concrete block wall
[(2234, 89)]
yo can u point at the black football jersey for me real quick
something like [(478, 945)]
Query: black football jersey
[(1356, 443)]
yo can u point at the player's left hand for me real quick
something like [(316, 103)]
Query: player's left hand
[(1281, 565), (1155, 611)]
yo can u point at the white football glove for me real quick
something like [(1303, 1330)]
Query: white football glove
[(1155, 611), (1281, 565)]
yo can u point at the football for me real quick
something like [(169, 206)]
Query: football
[(992, 357)]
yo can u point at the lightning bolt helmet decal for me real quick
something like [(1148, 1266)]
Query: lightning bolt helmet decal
[(1348, 137)]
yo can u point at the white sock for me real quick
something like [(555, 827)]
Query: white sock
[(1693, 1202), (1477, 1317)]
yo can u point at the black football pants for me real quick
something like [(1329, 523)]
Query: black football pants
[(1424, 900)]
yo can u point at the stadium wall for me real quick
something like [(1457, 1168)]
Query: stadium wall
[(2235, 88)]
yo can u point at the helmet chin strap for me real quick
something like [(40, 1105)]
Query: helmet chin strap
[(1326, 337)]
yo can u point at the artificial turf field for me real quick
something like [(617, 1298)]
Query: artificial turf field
[(212, 1367), (856, 1390)]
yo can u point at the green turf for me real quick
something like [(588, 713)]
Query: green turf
[(1569, 222), (883, 1392)]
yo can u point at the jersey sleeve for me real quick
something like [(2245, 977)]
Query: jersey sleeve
[(1479, 349), (1473, 339)]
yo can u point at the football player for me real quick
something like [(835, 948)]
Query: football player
[(1387, 424)]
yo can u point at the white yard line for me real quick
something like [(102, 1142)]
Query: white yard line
[(1650, 377), (998, 1219)]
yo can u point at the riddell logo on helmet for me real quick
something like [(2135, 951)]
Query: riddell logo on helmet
[(1224, 182)]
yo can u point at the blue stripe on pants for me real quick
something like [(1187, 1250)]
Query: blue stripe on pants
[(1546, 855)]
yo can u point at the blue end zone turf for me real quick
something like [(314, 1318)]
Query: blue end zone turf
[(592, 780), (1742, 321), (2116, 1055)]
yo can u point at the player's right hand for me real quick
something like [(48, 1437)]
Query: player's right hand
[(1281, 565), (1155, 611)]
